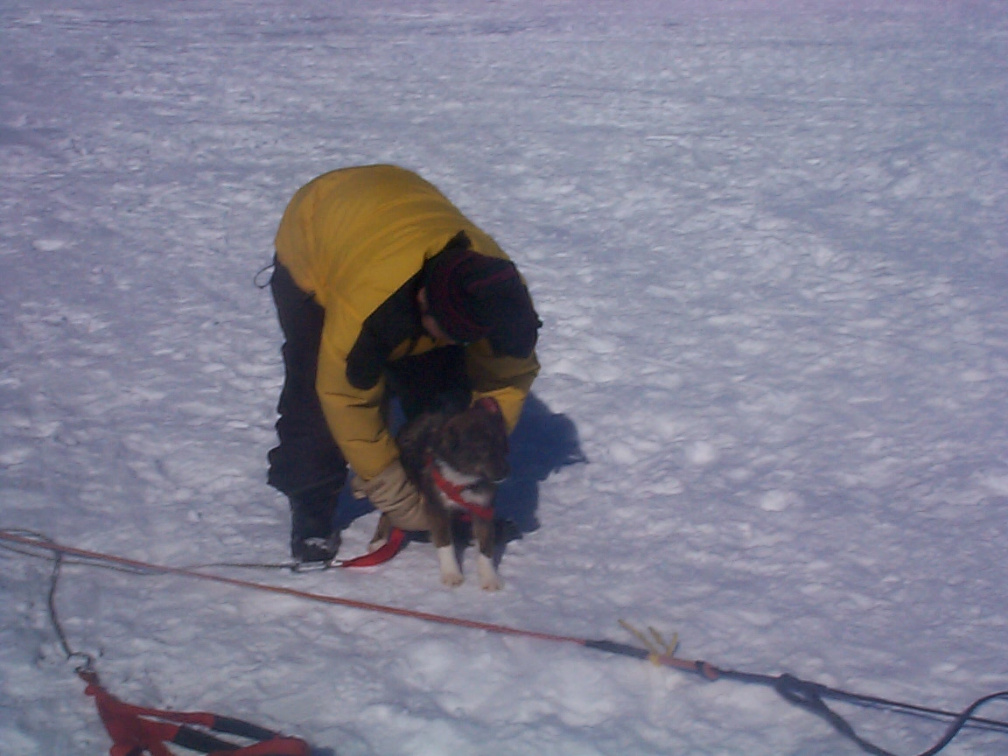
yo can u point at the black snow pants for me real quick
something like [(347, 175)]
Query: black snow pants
[(307, 457)]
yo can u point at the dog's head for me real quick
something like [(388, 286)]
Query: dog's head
[(474, 443)]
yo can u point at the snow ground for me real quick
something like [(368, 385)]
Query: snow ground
[(770, 244)]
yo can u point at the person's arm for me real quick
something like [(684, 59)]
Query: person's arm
[(356, 418), (506, 379)]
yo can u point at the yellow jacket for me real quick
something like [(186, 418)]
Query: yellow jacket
[(353, 238)]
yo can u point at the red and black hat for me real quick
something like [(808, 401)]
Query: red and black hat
[(474, 296)]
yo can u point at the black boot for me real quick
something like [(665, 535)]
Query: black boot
[(313, 537)]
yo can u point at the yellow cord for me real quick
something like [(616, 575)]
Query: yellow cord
[(658, 648)]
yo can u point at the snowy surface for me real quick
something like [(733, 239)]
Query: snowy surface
[(769, 241)]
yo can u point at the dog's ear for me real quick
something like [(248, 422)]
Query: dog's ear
[(488, 404)]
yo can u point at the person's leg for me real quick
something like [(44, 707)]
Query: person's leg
[(306, 466)]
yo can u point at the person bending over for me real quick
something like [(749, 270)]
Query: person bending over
[(384, 289)]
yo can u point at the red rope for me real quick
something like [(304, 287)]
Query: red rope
[(277, 589), (803, 693)]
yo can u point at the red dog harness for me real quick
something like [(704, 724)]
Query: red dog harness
[(456, 493)]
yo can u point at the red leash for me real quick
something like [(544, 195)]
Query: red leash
[(380, 555)]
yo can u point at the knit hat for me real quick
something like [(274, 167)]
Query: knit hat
[(474, 296)]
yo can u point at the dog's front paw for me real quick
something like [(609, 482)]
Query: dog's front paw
[(489, 579), (491, 583), (451, 574)]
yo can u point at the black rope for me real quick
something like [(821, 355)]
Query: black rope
[(962, 720), (802, 693), (809, 696), (256, 278), (86, 660)]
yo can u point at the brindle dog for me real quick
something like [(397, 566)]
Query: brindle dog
[(456, 461)]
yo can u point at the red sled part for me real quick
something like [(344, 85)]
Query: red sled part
[(137, 730)]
